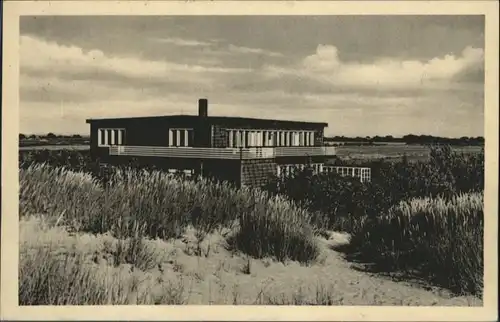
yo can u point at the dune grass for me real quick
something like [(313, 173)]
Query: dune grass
[(439, 237), (60, 268), (153, 204)]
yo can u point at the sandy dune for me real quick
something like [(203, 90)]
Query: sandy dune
[(223, 277)]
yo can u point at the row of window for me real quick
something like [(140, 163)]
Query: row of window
[(249, 138), (180, 137), (107, 137), (176, 137), (236, 138)]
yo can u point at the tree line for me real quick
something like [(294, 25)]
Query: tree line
[(51, 135), (409, 139)]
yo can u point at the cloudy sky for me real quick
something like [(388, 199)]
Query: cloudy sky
[(371, 75)]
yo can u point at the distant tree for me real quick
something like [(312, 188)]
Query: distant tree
[(22, 136), (76, 136), (51, 135)]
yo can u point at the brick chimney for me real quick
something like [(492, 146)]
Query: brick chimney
[(203, 107), (202, 132)]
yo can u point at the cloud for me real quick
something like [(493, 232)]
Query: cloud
[(326, 67), (212, 43), (38, 55), (347, 114), (258, 51), (56, 90), (182, 42), (61, 85)]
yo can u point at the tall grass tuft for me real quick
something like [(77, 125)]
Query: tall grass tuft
[(58, 268), (73, 198), (276, 227), (439, 237)]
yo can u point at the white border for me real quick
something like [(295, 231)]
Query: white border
[(9, 308)]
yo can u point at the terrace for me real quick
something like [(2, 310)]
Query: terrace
[(221, 153)]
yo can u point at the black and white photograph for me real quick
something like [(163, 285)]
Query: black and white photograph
[(293, 160)]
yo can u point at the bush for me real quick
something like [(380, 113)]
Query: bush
[(438, 232), (345, 200), (441, 238), (282, 222)]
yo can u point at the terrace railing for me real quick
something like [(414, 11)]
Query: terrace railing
[(220, 153), (304, 150), (362, 173)]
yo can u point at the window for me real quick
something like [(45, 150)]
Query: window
[(365, 175), (296, 138), (309, 139), (180, 137), (185, 172), (107, 137), (268, 138), (252, 138)]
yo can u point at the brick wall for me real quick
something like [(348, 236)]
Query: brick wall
[(220, 137), (255, 173)]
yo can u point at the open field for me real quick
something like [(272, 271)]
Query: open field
[(136, 236), (54, 147), (413, 152)]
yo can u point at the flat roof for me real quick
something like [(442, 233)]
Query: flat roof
[(214, 119)]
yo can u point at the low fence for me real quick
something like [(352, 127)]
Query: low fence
[(363, 173)]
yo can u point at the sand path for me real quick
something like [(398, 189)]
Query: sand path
[(222, 278)]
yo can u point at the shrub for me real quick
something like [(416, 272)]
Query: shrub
[(345, 200), (447, 188), (441, 238)]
